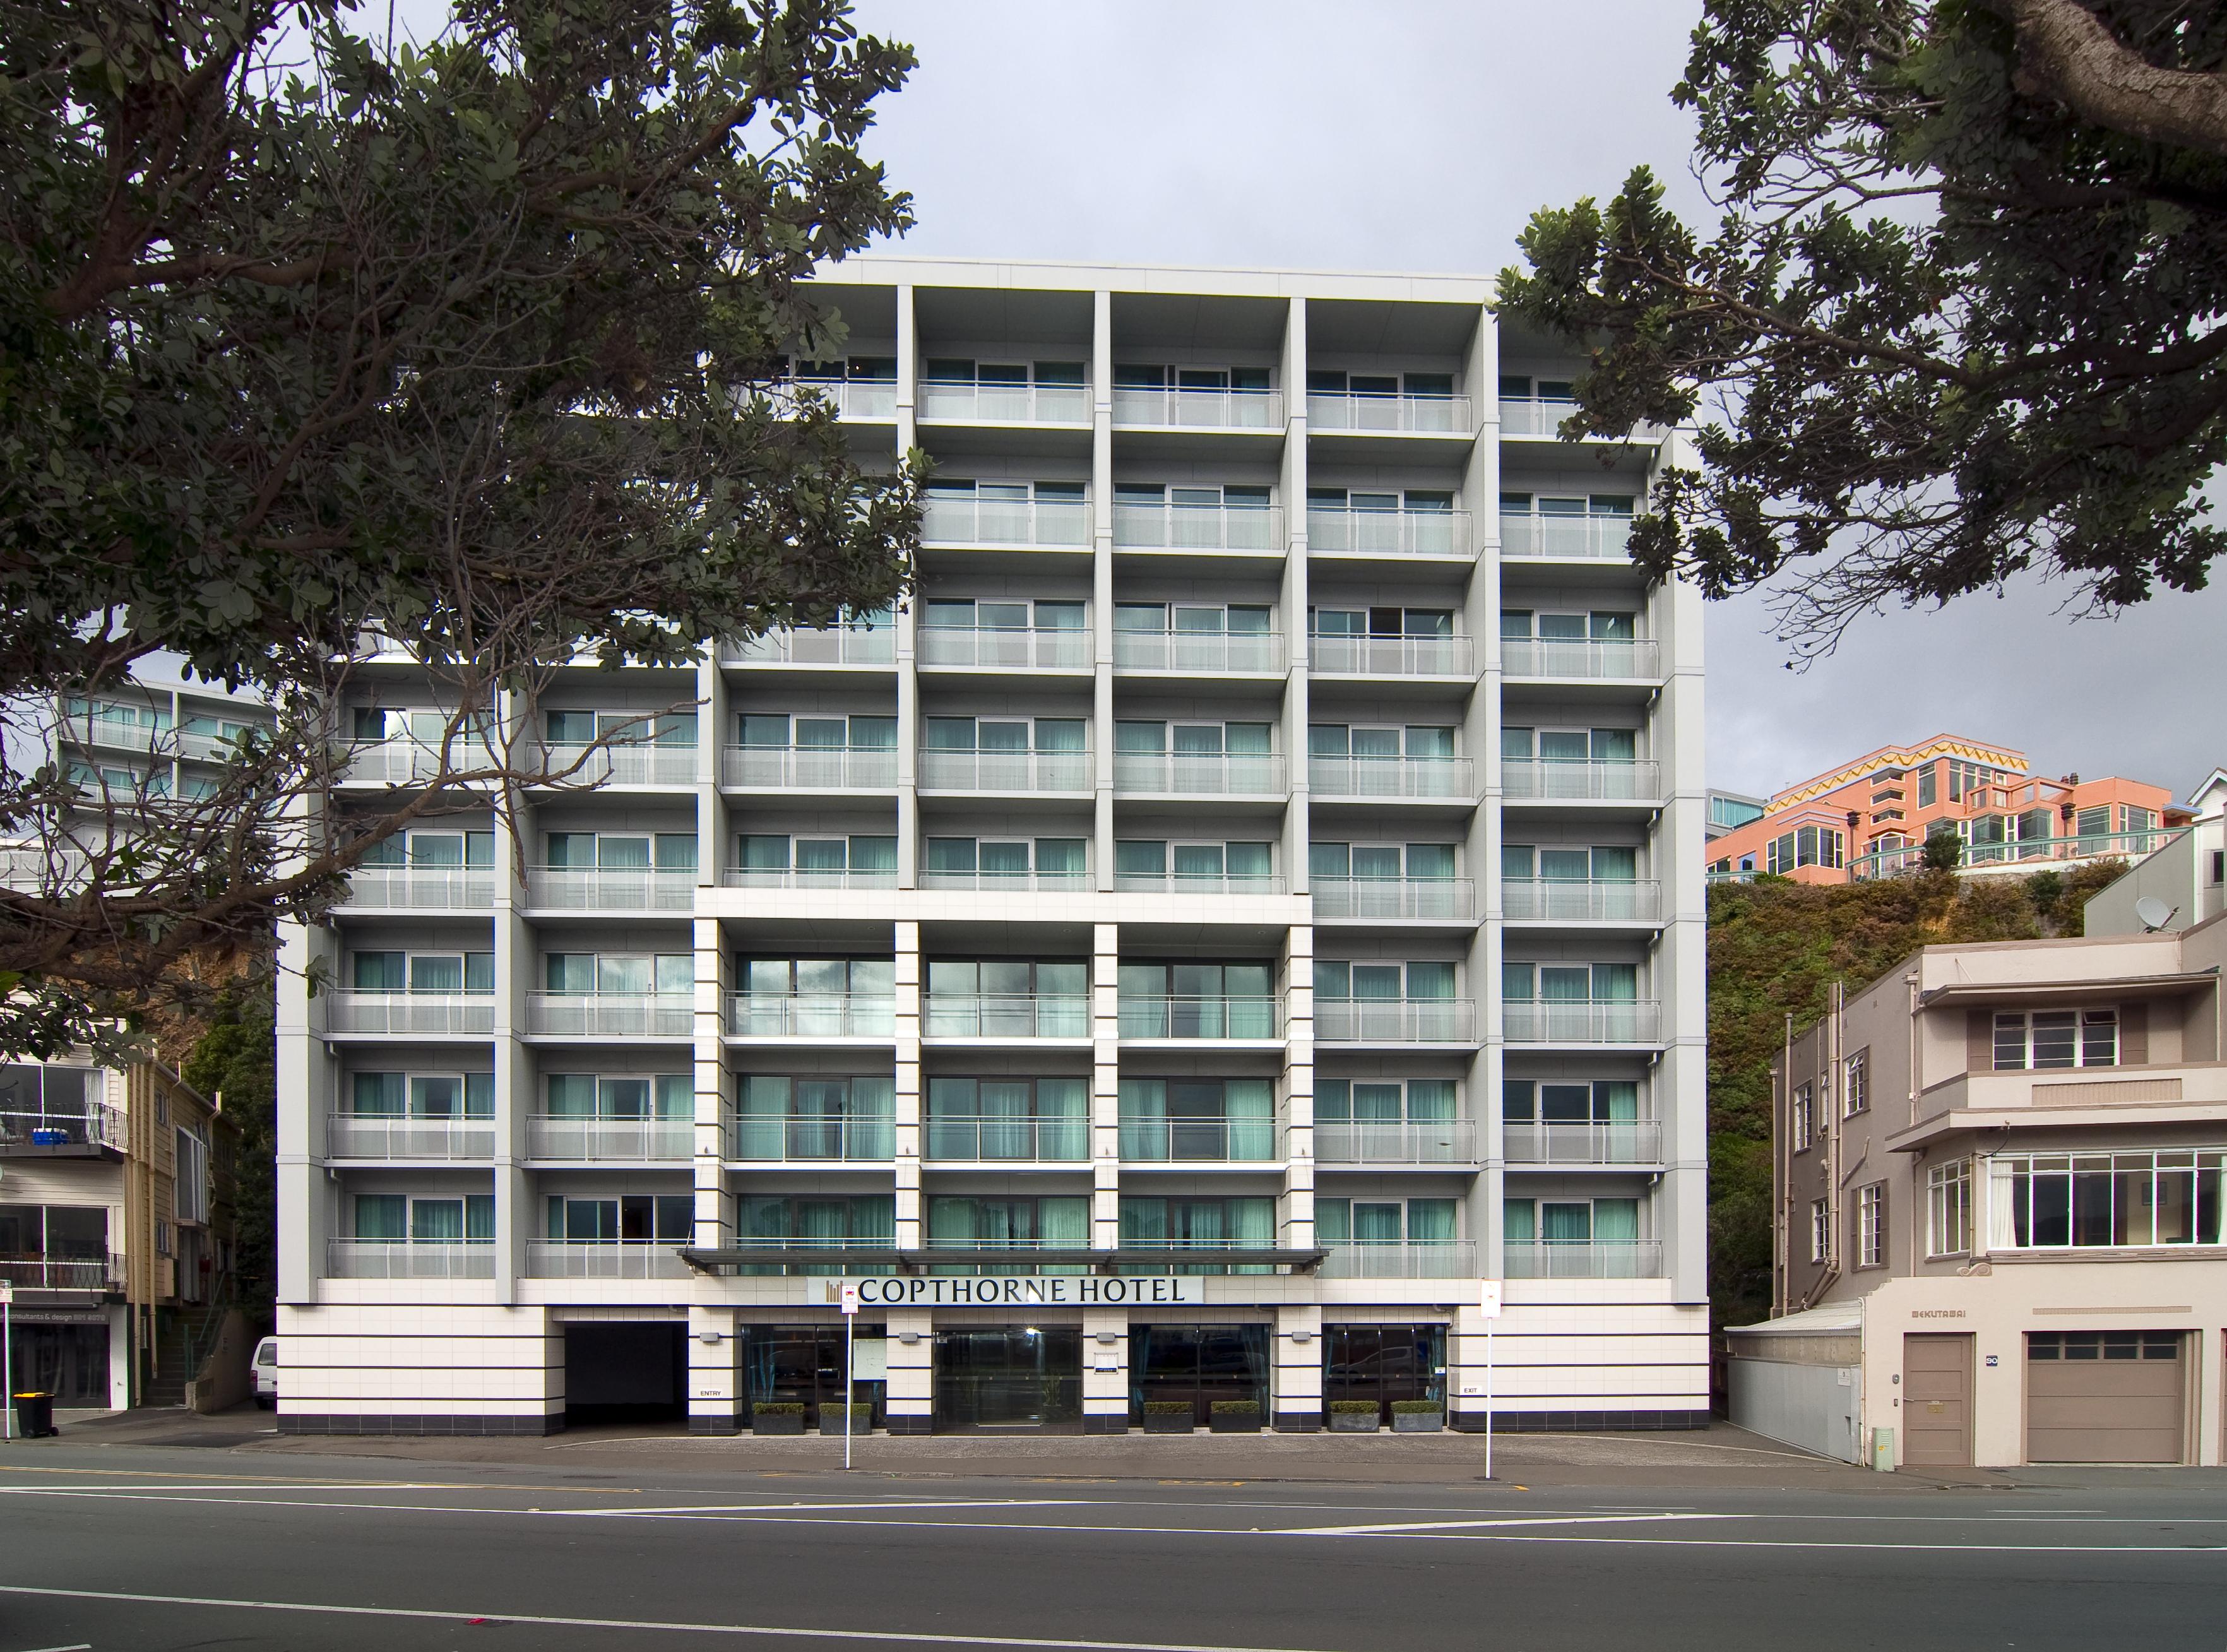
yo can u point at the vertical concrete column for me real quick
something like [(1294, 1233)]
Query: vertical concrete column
[(1481, 611), (1105, 1086), (715, 1389), (1294, 597), (908, 676), (911, 1392), (907, 1166), (715, 1203), (1296, 1359), (1104, 1371), (514, 962), (1297, 1223), (715, 716), (1101, 586), (308, 1204)]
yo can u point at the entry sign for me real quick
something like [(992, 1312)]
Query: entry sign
[(1488, 1298), (7, 1291), (850, 1298)]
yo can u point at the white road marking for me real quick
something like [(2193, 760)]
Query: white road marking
[(1493, 1520), (779, 1507), (75, 1646)]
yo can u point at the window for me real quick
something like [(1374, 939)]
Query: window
[(1194, 619), (1569, 864), (2102, 1345), (627, 852), (1385, 1221), (816, 976), (1061, 1221), (967, 614), (1808, 845), (422, 972), (1555, 1101), (432, 850), (1929, 786), (1370, 982), (397, 1218), (1804, 1117), (1386, 1102), (867, 1219), (1140, 376), (1871, 1225), (1197, 1119), (1383, 622), (1418, 743), (627, 974), (1569, 745), (990, 734), (2078, 1201), (1387, 862), (619, 1095), (1136, 738), (1597, 625), (1856, 1095), (1197, 999), (835, 858), (992, 858), (630, 1219), (578, 728), (1001, 1117), (56, 1233), (1821, 1230), (779, 731), (1016, 997), (1522, 982), (1152, 860), (1948, 1209), (34, 1097), (2055, 1038), (1552, 1222), (421, 1095)]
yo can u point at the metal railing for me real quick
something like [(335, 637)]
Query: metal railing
[(1157, 1017), (1394, 897), (621, 1141), (1543, 415), (399, 762), (1389, 656), (1452, 1258), (1051, 522), (610, 890), (1571, 657), (63, 1273), (1548, 900), (994, 883), (812, 1015), (207, 748), (817, 768), (116, 733), (410, 1259), (1895, 863), (1008, 1015), (786, 1138), (1336, 531), (797, 877), (1395, 1021), (1391, 777), (429, 1014), (1351, 411), (866, 398), (1555, 779), (611, 1015), (1198, 650), (1207, 1141), (1578, 1259), (98, 1125), (970, 1140), (1198, 774), (1200, 410), (1037, 648), (1591, 538), (1198, 528), (1623, 1141), (422, 888), (1581, 1021), (840, 645), (1197, 883), (562, 1258), (358, 1135), (1004, 771), (1450, 1141), (1007, 404), (628, 765)]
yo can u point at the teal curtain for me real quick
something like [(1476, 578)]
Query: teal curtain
[(1430, 1100), (1006, 1131), (1064, 1221), (437, 1220), (1566, 1223), (479, 1095), (479, 1216), (1376, 1224), (676, 1095), (1376, 1104), (1334, 1221), (1144, 1221), (382, 1216), (1253, 1225), (761, 1124), (951, 1111), (1430, 1222), (1333, 1100), (1519, 1221), (378, 1095), (951, 1220), (873, 1117), (1617, 1100), (1616, 1220), (874, 1218), (1144, 1118), (1252, 1010), (1062, 1119), (1248, 1104)]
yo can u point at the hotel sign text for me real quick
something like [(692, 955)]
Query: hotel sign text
[(1028, 1290)]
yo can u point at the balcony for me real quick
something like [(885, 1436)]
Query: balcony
[(557, 1259), (1336, 531), (1197, 527), (1582, 1021), (421, 889), (1621, 1141), (197, 747), (1585, 539), (622, 765), (625, 1141), (1395, 1021), (1552, 780), (410, 1259), (1002, 648), (95, 1132), (1582, 1258), (1005, 403), (1452, 1141), (1546, 899), (399, 762), (994, 1015), (1199, 410), (610, 890), (1389, 656), (1199, 774), (114, 733), (1433, 415), (610, 1015), (809, 768), (435, 1015), (842, 645), (1543, 415), (802, 878), (62, 1273), (1225, 1019), (1004, 771), (779, 1139), (1198, 650), (2024, 854), (812, 1015), (1443, 1260), (874, 400), (1053, 523), (1199, 1141), (356, 1135), (973, 1140), (1005, 883), (1197, 883), (1578, 657), (1416, 898), (1421, 777)]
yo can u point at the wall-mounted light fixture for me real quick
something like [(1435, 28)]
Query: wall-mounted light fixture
[(909, 1337), (1300, 1335), (709, 1338), (1109, 1337)]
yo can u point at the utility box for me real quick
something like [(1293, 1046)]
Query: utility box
[(1883, 1450)]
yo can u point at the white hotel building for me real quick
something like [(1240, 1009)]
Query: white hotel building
[(1250, 897)]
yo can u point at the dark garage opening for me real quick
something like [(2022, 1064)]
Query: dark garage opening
[(626, 1373)]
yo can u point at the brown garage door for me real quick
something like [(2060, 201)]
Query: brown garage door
[(1937, 1400), (2105, 1396)]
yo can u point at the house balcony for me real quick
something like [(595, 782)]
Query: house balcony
[(2021, 855), (1199, 1141), (1576, 1259), (1197, 883), (1197, 527), (997, 1016), (1581, 1021), (621, 765), (1005, 883), (421, 889), (556, 1259), (1143, 774), (357, 1135), (402, 763), (867, 400), (1430, 415), (1385, 777), (610, 890), (1227, 1019), (968, 1139), (431, 1015), (1215, 651), (196, 747), (610, 1015), (1057, 524), (809, 768), (1002, 648), (1524, 537), (1004, 771), (1198, 409), (1389, 656), (812, 1015), (619, 1141), (1549, 780), (1547, 900), (1442, 1260), (1543, 415), (1452, 1141), (1395, 1021), (841, 645), (1581, 658), (1338, 531), (803, 878), (781, 1139), (1621, 1141), (98, 1132), (1395, 898), (95, 1274), (981, 404), (410, 1259), (113, 733)]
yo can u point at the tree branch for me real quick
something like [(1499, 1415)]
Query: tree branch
[(2065, 51)]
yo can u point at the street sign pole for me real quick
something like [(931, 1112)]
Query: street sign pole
[(850, 1387), (7, 1359), (1489, 1306)]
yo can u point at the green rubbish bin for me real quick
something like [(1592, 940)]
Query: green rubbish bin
[(34, 1415)]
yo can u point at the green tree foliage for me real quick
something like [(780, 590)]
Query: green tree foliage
[(1959, 319), (1776, 948), (236, 1059)]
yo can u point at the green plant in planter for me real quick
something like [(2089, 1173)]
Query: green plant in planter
[(1237, 1408), (1354, 1408), (1168, 1407), (1416, 1407), (776, 1408)]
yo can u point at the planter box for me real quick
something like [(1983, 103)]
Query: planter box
[(832, 1422), (1159, 1425), (1249, 1423), (1352, 1422), (781, 1423), (1431, 1422)]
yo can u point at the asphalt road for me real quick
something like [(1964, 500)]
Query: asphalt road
[(146, 1548)]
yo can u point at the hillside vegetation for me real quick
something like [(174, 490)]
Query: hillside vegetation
[(1775, 947)]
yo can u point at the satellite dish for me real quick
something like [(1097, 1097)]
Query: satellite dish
[(2153, 913)]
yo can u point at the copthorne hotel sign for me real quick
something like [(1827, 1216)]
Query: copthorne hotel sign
[(1029, 1291)]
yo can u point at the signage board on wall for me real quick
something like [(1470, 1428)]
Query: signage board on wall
[(1022, 1290)]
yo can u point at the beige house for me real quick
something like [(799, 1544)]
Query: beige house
[(1998, 1215)]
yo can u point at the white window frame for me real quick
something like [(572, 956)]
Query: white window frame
[(1802, 1107), (2085, 1018), (1856, 1083), (1871, 1225), (1948, 1209), (1821, 1230)]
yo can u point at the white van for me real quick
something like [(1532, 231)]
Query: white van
[(266, 1374)]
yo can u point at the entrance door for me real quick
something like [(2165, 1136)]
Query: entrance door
[(1384, 1363), (2105, 1396), (1198, 1363), (1937, 1400), (803, 1365), (1009, 1377), (626, 1373)]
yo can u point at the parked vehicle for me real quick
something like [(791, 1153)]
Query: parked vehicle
[(266, 1374)]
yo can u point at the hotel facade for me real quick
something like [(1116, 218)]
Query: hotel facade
[(1248, 899)]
